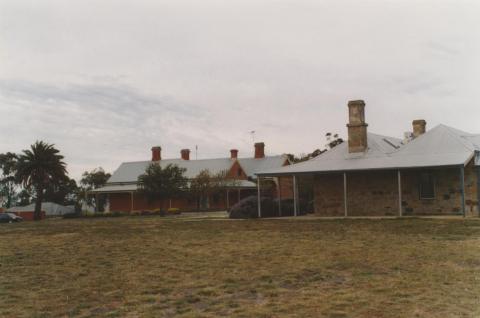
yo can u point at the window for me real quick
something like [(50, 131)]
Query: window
[(239, 172), (427, 186)]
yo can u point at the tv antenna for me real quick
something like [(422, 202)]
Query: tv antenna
[(252, 133)]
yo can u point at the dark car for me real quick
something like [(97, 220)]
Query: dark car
[(9, 218)]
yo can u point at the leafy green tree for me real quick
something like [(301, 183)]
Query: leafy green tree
[(333, 140), (206, 185), (8, 182), (94, 179), (64, 192), (163, 183), (39, 167), (25, 197)]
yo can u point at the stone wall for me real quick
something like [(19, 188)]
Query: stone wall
[(372, 193), (328, 195), (471, 190), (375, 193), (448, 197)]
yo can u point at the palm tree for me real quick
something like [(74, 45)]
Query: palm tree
[(39, 166)]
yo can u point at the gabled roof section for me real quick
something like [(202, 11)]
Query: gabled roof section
[(440, 146), (129, 172), (116, 188), (251, 165), (439, 140)]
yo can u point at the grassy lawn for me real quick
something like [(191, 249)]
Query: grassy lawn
[(162, 267)]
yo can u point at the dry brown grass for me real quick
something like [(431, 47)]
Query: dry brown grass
[(159, 267)]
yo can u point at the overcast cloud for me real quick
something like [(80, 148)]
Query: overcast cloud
[(106, 80)]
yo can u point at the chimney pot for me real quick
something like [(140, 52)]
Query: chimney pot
[(233, 153), (419, 127), (185, 153), (259, 150), (156, 153), (357, 128)]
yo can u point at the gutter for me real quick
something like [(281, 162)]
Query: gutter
[(352, 170)]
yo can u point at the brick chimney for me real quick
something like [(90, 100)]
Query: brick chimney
[(233, 153), (357, 128), (185, 153), (419, 127), (259, 150), (156, 153)]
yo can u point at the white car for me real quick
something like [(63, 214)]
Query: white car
[(15, 217)]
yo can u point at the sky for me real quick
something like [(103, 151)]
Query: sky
[(106, 80)]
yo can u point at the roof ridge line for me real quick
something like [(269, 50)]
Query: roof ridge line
[(202, 159), (384, 136), (459, 138)]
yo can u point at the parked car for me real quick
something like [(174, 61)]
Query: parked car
[(16, 217), (9, 218)]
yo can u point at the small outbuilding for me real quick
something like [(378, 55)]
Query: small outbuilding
[(49, 209)]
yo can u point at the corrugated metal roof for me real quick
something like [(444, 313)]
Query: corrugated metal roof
[(242, 184), (251, 165), (440, 146), (128, 172), (115, 188), (50, 208)]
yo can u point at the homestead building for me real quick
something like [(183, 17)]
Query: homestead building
[(429, 172), (122, 189)]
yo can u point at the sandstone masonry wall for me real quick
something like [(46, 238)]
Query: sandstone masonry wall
[(375, 193)]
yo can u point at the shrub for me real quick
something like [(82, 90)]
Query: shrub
[(288, 207), (173, 211), (248, 208), (160, 212), (74, 215), (94, 215), (111, 214)]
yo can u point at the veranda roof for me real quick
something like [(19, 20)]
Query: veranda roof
[(132, 187), (115, 188), (441, 146)]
